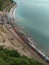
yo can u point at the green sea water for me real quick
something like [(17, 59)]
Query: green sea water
[(33, 16)]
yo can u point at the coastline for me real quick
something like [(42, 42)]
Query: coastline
[(12, 13)]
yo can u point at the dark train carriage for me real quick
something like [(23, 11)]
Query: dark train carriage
[(42, 55), (47, 59)]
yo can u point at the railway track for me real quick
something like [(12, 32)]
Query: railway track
[(23, 41)]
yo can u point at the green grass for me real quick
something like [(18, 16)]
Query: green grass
[(5, 3), (12, 57)]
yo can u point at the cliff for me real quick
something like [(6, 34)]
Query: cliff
[(4, 3)]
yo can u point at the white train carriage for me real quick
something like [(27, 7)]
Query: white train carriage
[(47, 59)]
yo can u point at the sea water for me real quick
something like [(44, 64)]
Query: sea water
[(33, 16)]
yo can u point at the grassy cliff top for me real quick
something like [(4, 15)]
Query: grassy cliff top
[(5, 3)]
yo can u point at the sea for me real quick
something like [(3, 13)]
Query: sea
[(33, 17)]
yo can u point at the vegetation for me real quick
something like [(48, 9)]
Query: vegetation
[(12, 57), (5, 3)]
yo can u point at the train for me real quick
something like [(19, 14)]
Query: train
[(30, 44)]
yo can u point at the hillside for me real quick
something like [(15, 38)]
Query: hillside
[(5, 3), (12, 43), (12, 57)]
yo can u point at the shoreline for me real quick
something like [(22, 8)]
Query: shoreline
[(12, 13)]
